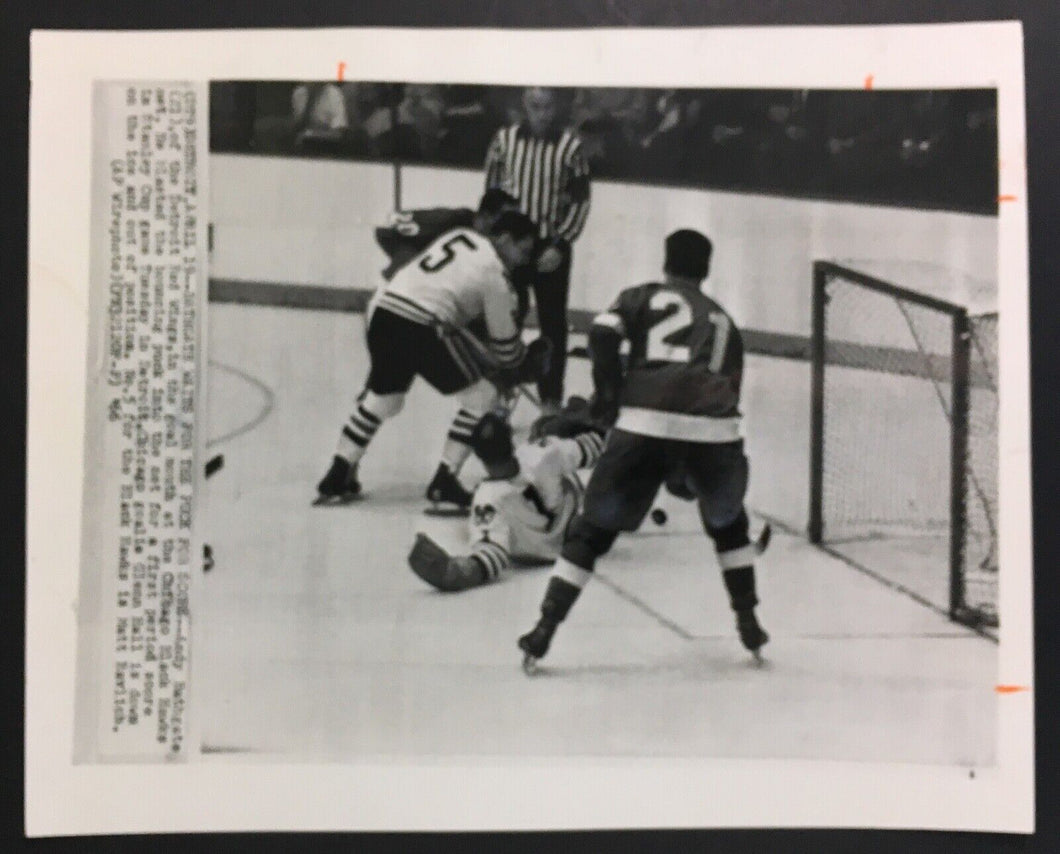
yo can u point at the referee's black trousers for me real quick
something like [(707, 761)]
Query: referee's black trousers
[(551, 292)]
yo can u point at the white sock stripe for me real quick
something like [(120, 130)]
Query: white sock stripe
[(736, 558), (362, 426), (488, 561), (370, 417), (570, 573), (495, 547), (591, 445), (490, 546), (494, 556), (505, 351)]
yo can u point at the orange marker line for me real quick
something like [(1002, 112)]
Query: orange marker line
[(1011, 689), (342, 70), (868, 82), (1006, 198)]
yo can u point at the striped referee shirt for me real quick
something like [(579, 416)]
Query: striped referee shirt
[(549, 177)]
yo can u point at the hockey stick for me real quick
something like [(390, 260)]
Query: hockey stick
[(529, 395), (487, 362)]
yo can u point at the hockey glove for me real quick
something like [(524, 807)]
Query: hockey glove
[(534, 366), (573, 420)]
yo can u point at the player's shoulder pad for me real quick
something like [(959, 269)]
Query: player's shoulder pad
[(631, 297), (635, 294)]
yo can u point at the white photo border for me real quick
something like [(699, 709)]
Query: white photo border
[(475, 794)]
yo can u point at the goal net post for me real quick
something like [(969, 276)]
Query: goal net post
[(903, 455)]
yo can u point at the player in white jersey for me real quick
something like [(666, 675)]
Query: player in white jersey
[(520, 512), (457, 279), (418, 325)]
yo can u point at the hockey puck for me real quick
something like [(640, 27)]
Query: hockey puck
[(658, 516)]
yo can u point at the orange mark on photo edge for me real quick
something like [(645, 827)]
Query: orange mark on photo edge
[(1006, 198), (868, 81), (342, 71), (1011, 689)]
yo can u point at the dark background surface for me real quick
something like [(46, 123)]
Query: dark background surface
[(928, 149), (1041, 25)]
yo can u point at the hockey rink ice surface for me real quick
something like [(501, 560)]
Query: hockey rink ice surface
[(316, 641)]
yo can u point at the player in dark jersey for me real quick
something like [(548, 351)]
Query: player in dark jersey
[(675, 410)]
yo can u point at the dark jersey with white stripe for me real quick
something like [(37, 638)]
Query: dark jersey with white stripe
[(549, 176), (410, 232), (686, 354)]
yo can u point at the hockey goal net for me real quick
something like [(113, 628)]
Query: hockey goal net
[(904, 451)]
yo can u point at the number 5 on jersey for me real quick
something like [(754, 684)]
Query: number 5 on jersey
[(678, 321), (439, 256)]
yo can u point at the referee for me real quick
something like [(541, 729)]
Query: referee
[(541, 164)]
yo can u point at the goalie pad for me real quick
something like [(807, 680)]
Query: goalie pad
[(434, 565)]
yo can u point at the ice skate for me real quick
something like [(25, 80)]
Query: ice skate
[(446, 494), (535, 644), (339, 486), (752, 635)]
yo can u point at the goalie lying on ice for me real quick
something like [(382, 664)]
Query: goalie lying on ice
[(520, 512)]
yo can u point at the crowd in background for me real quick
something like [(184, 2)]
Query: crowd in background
[(930, 148)]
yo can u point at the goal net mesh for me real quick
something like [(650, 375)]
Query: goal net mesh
[(886, 490)]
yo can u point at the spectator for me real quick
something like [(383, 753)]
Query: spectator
[(973, 167), (633, 133), (781, 139), (927, 143), (273, 122), (319, 117), (861, 137), (468, 125), (419, 131), (232, 111), (720, 149)]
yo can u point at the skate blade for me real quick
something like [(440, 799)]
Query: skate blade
[(450, 512), (336, 500), (529, 665), (762, 543)]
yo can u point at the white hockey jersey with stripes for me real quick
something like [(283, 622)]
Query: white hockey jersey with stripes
[(529, 514), (458, 279)]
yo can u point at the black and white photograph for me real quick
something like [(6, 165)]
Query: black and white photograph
[(464, 425)]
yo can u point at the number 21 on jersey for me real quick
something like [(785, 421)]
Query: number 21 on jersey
[(679, 319)]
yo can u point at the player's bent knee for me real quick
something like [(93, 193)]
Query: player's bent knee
[(383, 406), (732, 535), (480, 397), (586, 542)]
